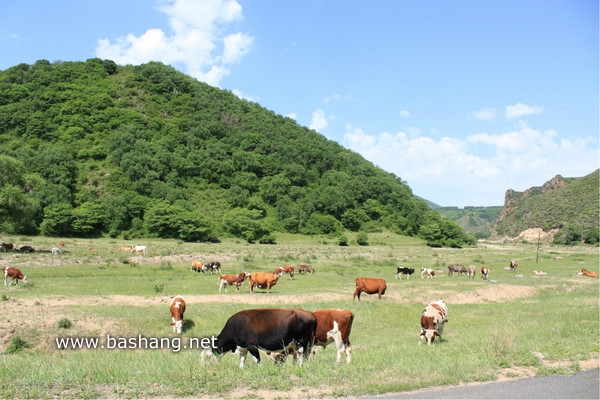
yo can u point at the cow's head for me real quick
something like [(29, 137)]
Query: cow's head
[(178, 326), (429, 335)]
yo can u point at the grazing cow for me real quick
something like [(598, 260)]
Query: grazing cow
[(14, 274), (139, 249), (268, 329), (26, 249), (459, 269), (232, 279), (305, 268), (472, 271), (56, 251), (538, 272), (433, 318), (334, 326), (263, 280), (404, 271), (61, 244), (125, 248), (197, 266), (177, 310), (512, 266), (370, 286), (213, 267), (6, 247), (285, 269), (585, 272), (427, 272), (484, 272)]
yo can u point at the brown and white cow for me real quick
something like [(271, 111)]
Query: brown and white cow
[(459, 269), (275, 330), (263, 280), (212, 267), (472, 271), (585, 272), (232, 279), (370, 286), (512, 266), (484, 272), (433, 318), (285, 269), (334, 326), (427, 272), (14, 274), (177, 310), (305, 268)]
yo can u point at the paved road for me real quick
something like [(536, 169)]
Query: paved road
[(582, 385)]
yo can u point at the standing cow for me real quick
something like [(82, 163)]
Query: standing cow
[(268, 329), (232, 279), (512, 266), (14, 274), (263, 280), (472, 271), (484, 272), (334, 326), (404, 271), (370, 286), (285, 269), (433, 318), (177, 310), (459, 269), (305, 268)]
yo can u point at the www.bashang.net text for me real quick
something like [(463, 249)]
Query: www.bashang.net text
[(139, 342)]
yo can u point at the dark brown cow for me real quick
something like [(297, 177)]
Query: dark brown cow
[(268, 329), (484, 272), (177, 310), (14, 274), (232, 279), (285, 269), (305, 268), (26, 249), (6, 247), (370, 286), (263, 280), (334, 326), (433, 319)]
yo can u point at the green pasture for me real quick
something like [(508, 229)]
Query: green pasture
[(549, 324)]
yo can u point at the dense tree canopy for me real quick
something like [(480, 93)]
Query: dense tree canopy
[(92, 148)]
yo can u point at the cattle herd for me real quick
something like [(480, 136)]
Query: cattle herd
[(280, 332)]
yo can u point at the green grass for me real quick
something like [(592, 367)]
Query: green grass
[(555, 315)]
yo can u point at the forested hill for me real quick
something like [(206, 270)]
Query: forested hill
[(91, 148)]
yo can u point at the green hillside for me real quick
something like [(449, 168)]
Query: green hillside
[(477, 221), (92, 149), (571, 204)]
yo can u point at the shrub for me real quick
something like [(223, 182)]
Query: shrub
[(343, 241), (362, 239), (65, 323), (16, 345)]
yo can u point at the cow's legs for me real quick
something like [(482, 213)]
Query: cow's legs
[(243, 352)]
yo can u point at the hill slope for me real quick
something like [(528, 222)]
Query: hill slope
[(92, 148)]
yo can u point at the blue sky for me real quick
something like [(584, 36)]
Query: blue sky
[(461, 99)]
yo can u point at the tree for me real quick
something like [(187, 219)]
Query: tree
[(245, 224)]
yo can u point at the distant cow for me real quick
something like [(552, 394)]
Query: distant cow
[(268, 329), (139, 249), (585, 272), (214, 267), (56, 251), (484, 272), (61, 244), (285, 269), (14, 274), (26, 249), (334, 326), (305, 268), (232, 279), (472, 271), (459, 269), (404, 271), (433, 318), (427, 272), (370, 286), (512, 266), (125, 248), (177, 310), (197, 266), (538, 272), (6, 247), (263, 280)]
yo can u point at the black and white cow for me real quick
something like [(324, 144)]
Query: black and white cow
[(404, 271)]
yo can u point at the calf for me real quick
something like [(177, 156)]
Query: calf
[(285, 269), (427, 272), (370, 286), (484, 272), (334, 326), (305, 268), (405, 271), (459, 269), (232, 279), (472, 271), (433, 319), (263, 280), (268, 329), (14, 274), (177, 310), (512, 266), (583, 272)]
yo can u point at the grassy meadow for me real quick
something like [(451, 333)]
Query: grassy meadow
[(510, 325)]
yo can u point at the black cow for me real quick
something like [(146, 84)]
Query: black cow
[(213, 266), (26, 249), (404, 271), (267, 329)]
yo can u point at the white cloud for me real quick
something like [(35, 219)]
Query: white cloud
[(479, 169), (485, 114), (198, 41), (319, 121), (292, 116), (241, 95), (520, 110), (405, 114)]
